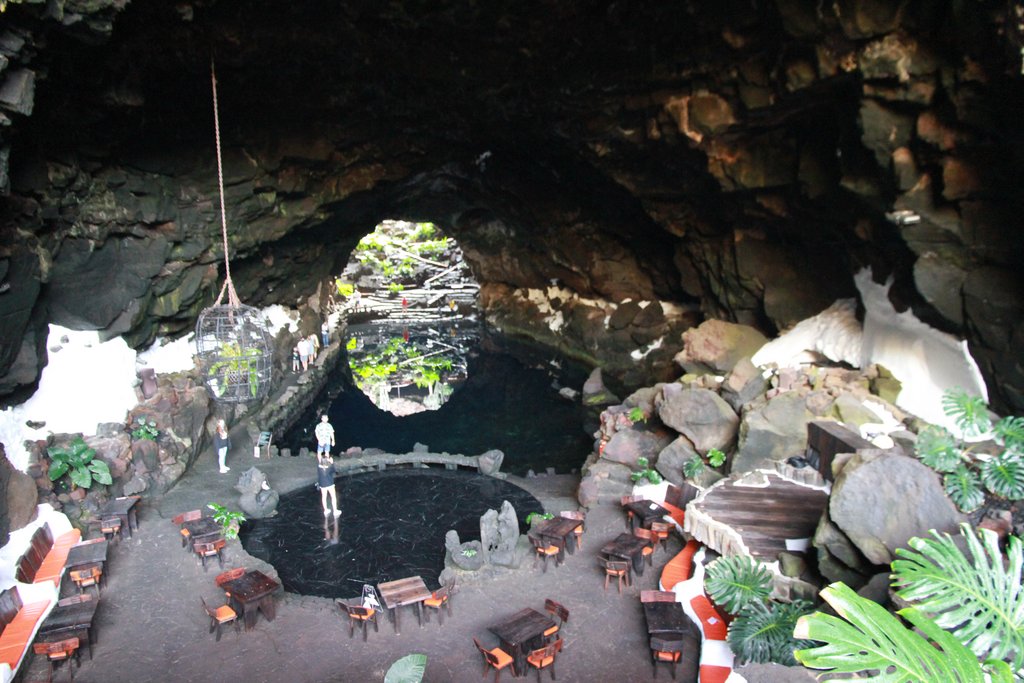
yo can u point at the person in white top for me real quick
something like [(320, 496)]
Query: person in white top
[(324, 433)]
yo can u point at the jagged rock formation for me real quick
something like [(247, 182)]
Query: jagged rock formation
[(614, 172)]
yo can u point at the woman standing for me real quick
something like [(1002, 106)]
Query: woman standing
[(221, 444)]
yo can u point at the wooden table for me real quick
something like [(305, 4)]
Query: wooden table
[(557, 531), (402, 592), (251, 593), (69, 620), (645, 511), (666, 617), (628, 547), (202, 529), (518, 634), (124, 509), (85, 554)]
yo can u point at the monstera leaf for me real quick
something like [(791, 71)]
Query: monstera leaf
[(979, 600), (869, 640), (408, 669), (737, 581)]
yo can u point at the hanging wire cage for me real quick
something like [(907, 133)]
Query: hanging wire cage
[(235, 353)]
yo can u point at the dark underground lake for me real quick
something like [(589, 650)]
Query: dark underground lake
[(392, 526), (509, 401)]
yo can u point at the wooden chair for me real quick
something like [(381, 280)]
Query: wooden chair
[(662, 531), (439, 600), (666, 650), (626, 500), (652, 540), (207, 549), (74, 599), (58, 652), (84, 578), (545, 657), (495, 658), (190, 516), (578, 532), (544, 550), (111, 528), (618, 569), (657, 596), (556, 610), (220, 616), (229, 575), (357, 614)]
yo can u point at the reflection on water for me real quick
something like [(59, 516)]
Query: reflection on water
[(392, 526), (505, 403)]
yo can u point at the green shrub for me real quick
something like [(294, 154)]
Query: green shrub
[(146, 430), (77, 460), (763, 633)]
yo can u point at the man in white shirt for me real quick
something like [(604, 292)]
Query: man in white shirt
[(324, 433)]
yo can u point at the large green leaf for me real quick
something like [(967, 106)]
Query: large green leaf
[(936, 448), (764, 633), (737, 581), (970, 413), (81, 477), (58, 468), (980, 600), (1003, 475), (100, 472), (1011, 431), (408, 669), (964, 488), (870, 641)]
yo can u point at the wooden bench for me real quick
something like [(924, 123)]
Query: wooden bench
[(44, 560), (19, 622)]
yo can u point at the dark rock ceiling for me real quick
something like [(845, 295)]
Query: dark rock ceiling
[(730, 159)]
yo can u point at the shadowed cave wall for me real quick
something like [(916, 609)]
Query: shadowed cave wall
[(615, 172)]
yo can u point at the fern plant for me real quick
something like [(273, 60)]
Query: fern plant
[(980, 600), (736, 582), (763, 633), (867, 639)]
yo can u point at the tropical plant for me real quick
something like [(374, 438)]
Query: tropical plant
[(965, 472), (693, 467), (646, 472), (345, 289), (737, 581), (865, 638), (236, 364), (535, 516), (468, 552), (716, 458), (407, 669), (763, 632), (979, 600), (395, 287), (637, 414), (146, 430), (228, 519), (79, 462), (352, 344)]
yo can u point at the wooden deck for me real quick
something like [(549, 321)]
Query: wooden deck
[(755, 515)]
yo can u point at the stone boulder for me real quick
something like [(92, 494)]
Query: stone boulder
[(595, 393), (853, 412), (489, 463), (880, 501), (258, 500), (772, 432), (700, 415), (627, 445), (604, 482), (467, 556), (743, 384), (672, 458), (19, 495), (499, 534), (716, 346)]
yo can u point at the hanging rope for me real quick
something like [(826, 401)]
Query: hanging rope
[(229, 286)]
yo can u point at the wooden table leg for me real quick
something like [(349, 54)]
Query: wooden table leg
[(394, 615), (419, 613)]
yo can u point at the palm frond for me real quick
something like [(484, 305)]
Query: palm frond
[(866, 639), (737, 581), (979, 600), (964, 488)]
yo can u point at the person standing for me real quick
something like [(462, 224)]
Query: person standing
[(325, 482), (295, 359), (324, 433), (304, 350), (325, 333), (221, 444)]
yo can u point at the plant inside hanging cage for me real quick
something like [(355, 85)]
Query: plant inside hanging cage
[(232, 342), (235, 353)]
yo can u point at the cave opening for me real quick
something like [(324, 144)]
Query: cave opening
[(410, 301)]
